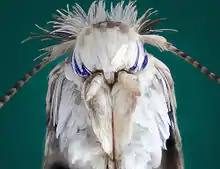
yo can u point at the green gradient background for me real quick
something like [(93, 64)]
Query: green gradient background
[(22, 120)]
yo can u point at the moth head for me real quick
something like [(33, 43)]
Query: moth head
[(108, 47), (84, 36), (109, 41), (102, 40)]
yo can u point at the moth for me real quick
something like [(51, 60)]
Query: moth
[(110, 104)]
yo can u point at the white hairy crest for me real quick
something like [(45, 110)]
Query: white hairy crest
[(74, 21), (70, 22)]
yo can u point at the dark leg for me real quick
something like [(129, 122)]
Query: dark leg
[(58, 165), (53, 158)]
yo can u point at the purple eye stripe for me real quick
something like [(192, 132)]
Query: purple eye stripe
[(133, 68), (75, 66), (85, 71), (145, 61)]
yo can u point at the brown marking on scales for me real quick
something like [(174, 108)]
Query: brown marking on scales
[(107, 24), (111, 24)]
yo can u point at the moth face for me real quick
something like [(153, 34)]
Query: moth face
[(103, 40), (108, 48)]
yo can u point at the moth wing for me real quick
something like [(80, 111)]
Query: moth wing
[(52, 152), (67, 119), (172, 158)]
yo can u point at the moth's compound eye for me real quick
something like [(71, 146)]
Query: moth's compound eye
[(80, 69), (138, 65), (135, 67), (145, 61)]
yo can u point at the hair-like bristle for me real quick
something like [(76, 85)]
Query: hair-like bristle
[(193, 62), (147, 27), (21, 82)]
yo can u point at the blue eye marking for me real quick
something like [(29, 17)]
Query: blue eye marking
[(145, 61), (133, 68), (85, 71)]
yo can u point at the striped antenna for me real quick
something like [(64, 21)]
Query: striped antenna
[(21, 82), (52, 53), (193, 62)]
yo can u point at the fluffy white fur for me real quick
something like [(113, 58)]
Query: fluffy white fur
[(142, 133), (140, 101)]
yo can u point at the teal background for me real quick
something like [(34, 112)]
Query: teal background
[(22, 120)]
